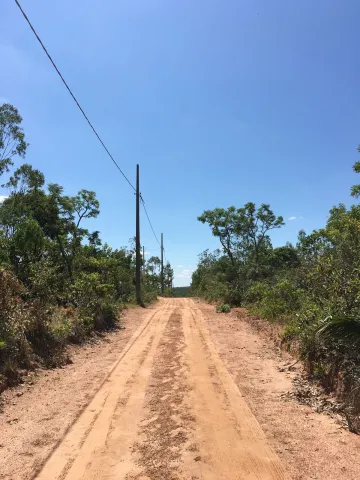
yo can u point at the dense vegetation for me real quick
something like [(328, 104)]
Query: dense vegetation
[(181, 292), (58, 281), (312, 287)]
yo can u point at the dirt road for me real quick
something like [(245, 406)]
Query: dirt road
[(169, 409), (152, 400)]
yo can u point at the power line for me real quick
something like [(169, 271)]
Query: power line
[(156, 238), (153, 249), (84, 114), (73, 96)]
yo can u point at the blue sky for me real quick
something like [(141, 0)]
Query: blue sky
[(220, 102)]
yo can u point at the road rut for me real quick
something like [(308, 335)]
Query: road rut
[(168, 410)]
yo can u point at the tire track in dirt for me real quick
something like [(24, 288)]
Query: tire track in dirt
[(169, 411), (87, 437), (231, 442), (168, 423)]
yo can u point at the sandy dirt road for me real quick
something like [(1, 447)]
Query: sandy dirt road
[(168, 410)]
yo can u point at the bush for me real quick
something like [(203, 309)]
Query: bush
[(14, 321), (223, 308), (95, 301), (106, 314), (275, 302), (44, 281), (26, 336), (148, 296), (47, 343), (32, 332)]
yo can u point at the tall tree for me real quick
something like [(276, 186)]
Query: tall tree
[(12, 137), (355, 189), (242, 232), (168, 276)]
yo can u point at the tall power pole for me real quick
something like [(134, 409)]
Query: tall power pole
[(143, 257), (138, 248), (162, 264)]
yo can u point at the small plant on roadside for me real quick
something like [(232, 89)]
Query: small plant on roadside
[(223, 308)]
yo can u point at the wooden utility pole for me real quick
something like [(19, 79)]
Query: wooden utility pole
[(143, 263), (138, 247), (162, 264)]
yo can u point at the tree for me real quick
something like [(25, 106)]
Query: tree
[(72, 211), (243, 232), (285, 257), (26, 179), (58, 281), (244, 237), (313, 289), (223, 224), (86, 205), (12, 137), (154, 264), (168, 276), (355, 189)]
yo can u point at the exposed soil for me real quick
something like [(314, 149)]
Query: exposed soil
[(311, 445), (36, 415), (182, 393)]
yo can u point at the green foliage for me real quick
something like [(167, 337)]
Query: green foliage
[(274, 301), (242, 232), (12, 138), (168, 278), (182, 292), (355, 189), (247, 252), (168, 292), (223, 308), (312, 288), (14, 321), (58, 282), (95, 301), (345, 330), (212, 278)]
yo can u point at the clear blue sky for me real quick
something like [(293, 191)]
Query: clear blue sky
[(220, 102)]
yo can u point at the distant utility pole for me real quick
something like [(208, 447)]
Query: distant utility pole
[(143, 263), (138, 247), (162, 264)]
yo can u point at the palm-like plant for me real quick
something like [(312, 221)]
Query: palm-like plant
[(343, 329)]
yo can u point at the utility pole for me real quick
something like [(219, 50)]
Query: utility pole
[(138, 247), (162, 264), (143, 263)]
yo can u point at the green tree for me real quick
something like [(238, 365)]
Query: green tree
[(313, 288), (355, 189), (168, 276), (242, 232), (12, 137), (26, 179), (58, 280)]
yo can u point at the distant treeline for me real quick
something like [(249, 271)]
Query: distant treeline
[(182, 292)]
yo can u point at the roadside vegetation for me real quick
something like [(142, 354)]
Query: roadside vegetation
[(312, 288), (181, 292), (59, 282)]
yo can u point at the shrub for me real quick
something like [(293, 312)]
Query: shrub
[(256, 292), (14, 321), (223, 308), (275, 302), (26, 336), (47, 344), (106, 314), (148, 296), (95, 301)]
